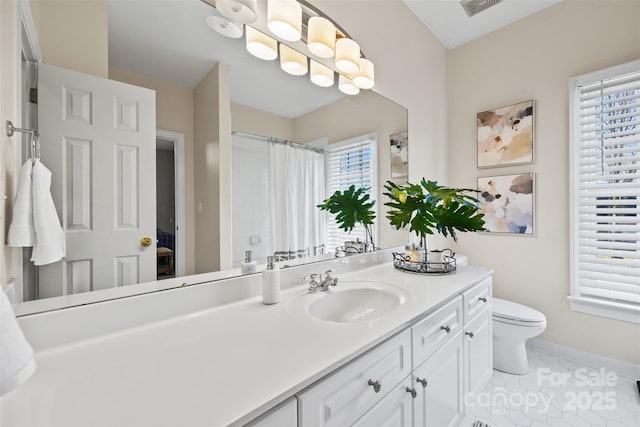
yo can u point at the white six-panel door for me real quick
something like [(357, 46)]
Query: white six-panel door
[(98, 140)]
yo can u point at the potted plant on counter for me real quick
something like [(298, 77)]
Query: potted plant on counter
[(352, 206), (428, 208)]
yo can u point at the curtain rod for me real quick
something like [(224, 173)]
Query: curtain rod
[(278, 141)]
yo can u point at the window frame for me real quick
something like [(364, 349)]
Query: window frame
[(628, 312), (373, 194)]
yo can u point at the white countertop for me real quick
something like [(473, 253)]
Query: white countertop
[(216, 367)]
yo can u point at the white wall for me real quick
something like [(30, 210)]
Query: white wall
[(534, 59), (9, 146)]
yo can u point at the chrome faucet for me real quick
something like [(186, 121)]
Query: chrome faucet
[(317, 283)]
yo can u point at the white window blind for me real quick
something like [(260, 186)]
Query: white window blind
[(606, 192), (349, 163)]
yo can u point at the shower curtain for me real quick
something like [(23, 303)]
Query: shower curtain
[(296, 186)]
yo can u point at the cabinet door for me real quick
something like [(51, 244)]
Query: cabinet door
[(439, 384), (392, 411), (478, 352), (283, 415)]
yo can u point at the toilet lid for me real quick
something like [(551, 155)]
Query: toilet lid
[(513, 311)]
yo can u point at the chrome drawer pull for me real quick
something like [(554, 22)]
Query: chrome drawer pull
[(445, 328), (470, 334), (412, 391), (483, 299), (376, 385), (422, 381)]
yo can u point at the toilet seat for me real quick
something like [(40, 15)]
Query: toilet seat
[(516, 314)]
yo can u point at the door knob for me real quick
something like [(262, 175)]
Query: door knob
[(145, 242)]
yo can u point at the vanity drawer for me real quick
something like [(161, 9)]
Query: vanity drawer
[(344, 396), (476, 299), (434, 331)]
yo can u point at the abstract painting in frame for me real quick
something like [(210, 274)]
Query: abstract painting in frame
[(399, 145), (505, 135), (507, 203)]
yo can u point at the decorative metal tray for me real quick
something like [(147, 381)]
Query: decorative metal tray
[(403, 262)]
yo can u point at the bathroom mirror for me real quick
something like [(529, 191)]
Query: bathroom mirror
[(167, 46)]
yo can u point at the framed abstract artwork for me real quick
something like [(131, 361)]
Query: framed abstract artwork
[(505, 135), (399, 145), (507, 203)]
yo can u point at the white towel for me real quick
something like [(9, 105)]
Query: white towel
[(17, 363), (21, 230), (50, 238)]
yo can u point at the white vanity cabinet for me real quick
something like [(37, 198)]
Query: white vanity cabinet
[(478, 337), (417, 378), (395, 410), (439, 386), (347, 394)]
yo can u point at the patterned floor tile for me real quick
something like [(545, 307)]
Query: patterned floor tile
[(558, 393)]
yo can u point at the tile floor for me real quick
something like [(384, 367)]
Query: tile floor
[(556, 393)]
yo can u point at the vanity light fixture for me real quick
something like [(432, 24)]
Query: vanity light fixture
[(347, 86), (261, 45), (284, 19), (244, 11), (321, 75), (321, 37), (225, 26), (292, 61), (347, 56), (364, 78)]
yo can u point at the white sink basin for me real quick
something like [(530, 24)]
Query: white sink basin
[(350, 302)]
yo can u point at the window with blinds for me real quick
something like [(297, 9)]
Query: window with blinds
[(349, 163), (605, 217)]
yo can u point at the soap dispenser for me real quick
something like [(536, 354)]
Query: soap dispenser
[(271, 283), (248, 266)]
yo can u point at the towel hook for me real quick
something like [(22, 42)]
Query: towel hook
[(35, 143)]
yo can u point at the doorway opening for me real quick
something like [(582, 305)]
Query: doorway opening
[(170, 204)]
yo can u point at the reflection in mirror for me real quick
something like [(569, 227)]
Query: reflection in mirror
[(179, 160)]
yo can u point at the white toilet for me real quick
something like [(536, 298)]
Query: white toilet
[(513, 325)]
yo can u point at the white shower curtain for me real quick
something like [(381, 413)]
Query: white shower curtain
[(296, 186)]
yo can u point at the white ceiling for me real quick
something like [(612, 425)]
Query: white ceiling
[(171, 41), (448, 21)]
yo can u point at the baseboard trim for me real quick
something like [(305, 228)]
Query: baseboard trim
[(625, 369)]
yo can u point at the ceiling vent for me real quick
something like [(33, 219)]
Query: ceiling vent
[(473, 7)]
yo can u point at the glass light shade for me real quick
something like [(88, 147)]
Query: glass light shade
[(292, 61), (347, 56), (225, 26), (261, 45), (284, 19), (244, 11), (321, 37), (346, 85), (364, 77), (321, 75)]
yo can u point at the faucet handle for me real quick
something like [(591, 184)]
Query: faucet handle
[(330, 281), (313, 282)]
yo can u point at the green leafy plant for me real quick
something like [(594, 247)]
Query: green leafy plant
[(428, 207), (351, 206)]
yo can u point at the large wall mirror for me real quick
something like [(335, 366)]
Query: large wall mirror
[(212, 111)]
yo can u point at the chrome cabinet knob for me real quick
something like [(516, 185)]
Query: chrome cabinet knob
[(422, 381), (470, 334), (412, 391), (483, 299), (447, 329), (375, 384)]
